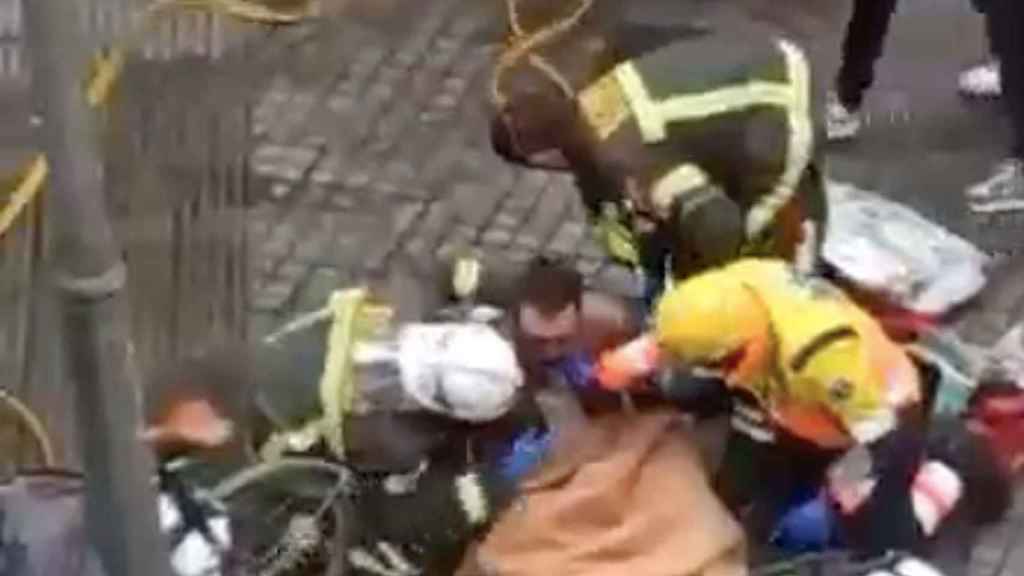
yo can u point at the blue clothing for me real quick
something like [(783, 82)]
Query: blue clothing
[(577, 369), (808, 525), (525, 454)]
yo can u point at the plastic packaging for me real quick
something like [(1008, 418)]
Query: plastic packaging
[(889, 249)]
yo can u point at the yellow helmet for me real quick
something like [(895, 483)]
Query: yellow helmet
[(709, 317)]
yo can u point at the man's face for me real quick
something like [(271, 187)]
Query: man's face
[(547, 337)]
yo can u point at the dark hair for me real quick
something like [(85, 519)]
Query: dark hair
[(550, 286)]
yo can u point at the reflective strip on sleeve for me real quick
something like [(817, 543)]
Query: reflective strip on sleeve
[(752, 423), (603, 105), (801, 141), (654, 116), (759, 434), (466, 276), (675, 183), (645, 109)]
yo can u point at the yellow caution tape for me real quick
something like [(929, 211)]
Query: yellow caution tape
[(23, 194), (106, 71)]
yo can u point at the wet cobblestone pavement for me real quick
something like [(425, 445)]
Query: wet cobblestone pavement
[(386, 155), (370, 143)]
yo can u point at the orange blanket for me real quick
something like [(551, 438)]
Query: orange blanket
[(627, 496)]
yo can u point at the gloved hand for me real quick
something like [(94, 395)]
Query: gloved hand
[(577, 369), (630, 365), (525, 454), (704, 396), (809, 526)]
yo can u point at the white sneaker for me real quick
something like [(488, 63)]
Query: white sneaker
[(841, 123), (981, 81), (1003, 191)]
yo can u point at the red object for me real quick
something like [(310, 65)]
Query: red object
[(905, 325), (900, 323), (1000, 419)]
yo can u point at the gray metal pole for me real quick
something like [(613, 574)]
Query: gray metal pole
[(89, 273)]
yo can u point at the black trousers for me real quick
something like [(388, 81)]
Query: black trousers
[(1005, 20), (862, 47), (757, 481)]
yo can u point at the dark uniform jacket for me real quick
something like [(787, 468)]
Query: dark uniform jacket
[(449, 473), (700, 150)]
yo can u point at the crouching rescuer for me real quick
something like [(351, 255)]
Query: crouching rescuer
[(823, 404), (683, 162), (430, 419)]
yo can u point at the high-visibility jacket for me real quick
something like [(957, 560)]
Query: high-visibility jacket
[(703, 150), (831, 375)]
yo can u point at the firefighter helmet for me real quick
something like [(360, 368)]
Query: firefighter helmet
[(463, 370)]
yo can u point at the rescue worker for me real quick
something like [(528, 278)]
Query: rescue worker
[(597, 504), (433, 423), (689, 149), (812, 377), (823, 399)]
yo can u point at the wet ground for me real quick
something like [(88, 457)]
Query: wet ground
[(369, 144)]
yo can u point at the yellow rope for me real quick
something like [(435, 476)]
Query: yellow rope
[(106, 72), (33, 424), (524, 45)]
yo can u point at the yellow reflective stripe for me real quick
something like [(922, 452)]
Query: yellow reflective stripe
[(645, 109), (466, 276), (336, 385), (800, 145), (653, 117), (722, 101), (676, 182), (603, 105)]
